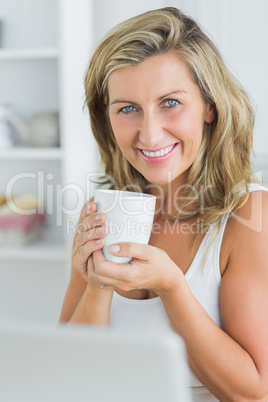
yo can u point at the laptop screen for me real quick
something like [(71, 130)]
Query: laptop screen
[(80, 363)]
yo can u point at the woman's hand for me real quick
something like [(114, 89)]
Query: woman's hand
[(88, 238), (151, 268), (85, 302)]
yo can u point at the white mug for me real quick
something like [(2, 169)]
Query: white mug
[(129, 218)]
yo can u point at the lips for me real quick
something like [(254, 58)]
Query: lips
[(161, 152), (158, 155)]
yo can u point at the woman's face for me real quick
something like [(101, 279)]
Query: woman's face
[(157, 115)]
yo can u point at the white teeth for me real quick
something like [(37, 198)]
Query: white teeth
[(164, 151)]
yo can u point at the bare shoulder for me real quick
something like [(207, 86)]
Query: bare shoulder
[(253, 215), (246, 234), (243, 292), (247, 229)]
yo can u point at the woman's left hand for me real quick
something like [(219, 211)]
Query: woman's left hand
[(150, 268)]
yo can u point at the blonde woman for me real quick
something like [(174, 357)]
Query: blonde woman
[(171, 120)]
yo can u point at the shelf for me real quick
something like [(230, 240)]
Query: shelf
[(47, 250), (28, 54), (31, 153)]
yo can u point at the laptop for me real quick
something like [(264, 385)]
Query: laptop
[(41, 363)]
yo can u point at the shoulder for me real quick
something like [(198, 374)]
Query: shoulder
[(245, 227), (245, 242), (243, 290), (251, 218)]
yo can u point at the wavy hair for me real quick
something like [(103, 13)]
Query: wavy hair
[(223, 160)]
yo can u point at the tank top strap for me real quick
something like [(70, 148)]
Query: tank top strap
[(257, 187), (254, 187), (216, 247)]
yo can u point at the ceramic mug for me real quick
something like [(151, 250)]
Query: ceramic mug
[(129, 218)]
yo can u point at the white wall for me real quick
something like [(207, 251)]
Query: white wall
[(32, 291), (108, 13), (23, 18), (76, 43)]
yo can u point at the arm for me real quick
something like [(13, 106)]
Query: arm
[(232, 363), (85, 302)]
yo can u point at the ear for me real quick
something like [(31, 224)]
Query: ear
[(210, 113)]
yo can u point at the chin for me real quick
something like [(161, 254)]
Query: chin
[(161, 181), (179, 177)]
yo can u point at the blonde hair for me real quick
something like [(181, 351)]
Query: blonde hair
[(223, 160)]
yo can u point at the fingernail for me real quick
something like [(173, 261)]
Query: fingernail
[(114, 248), (89, 206)]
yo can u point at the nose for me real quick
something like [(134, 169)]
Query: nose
[(150, 130)]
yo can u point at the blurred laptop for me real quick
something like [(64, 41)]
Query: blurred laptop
[(87, 364)]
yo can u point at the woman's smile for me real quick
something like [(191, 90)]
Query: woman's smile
[(159, 155)]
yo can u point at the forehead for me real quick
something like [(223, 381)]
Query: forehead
[(156, 74)]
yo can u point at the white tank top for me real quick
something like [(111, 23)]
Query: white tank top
[(149, 316)]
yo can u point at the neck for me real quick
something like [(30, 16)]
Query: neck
[(168, 195)]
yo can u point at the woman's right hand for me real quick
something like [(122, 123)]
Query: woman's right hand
[(88, 238)]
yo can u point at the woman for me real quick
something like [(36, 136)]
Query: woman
[(171, 120)]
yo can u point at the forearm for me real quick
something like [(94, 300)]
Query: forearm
[(219, 362), (94, 307)]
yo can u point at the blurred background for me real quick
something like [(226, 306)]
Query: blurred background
[(47, 154)]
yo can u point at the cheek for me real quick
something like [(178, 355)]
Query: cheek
[(118, 129), (181, 127), (188, 126), (121, 132)]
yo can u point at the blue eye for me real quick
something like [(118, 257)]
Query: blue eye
[(127, 109), (171, 103)]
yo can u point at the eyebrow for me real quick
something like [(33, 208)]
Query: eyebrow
[(176, 91)]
